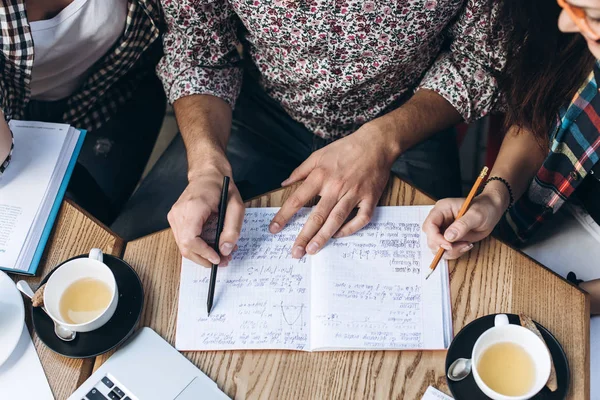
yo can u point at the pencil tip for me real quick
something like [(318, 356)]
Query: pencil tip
[(429, 274)]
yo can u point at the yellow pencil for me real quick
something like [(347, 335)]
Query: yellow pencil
[(461, 212)]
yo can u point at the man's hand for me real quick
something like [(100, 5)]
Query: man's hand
[(196, 204), (348, 173)]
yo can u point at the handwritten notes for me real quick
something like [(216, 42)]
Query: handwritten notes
[(367, 291), (370, 291), (261, 298)]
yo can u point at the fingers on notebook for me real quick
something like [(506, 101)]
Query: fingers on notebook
[(232, 226), (334, 221), (306, 191), (360, 220), (306, 240)]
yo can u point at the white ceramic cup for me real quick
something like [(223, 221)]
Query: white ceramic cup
[(74, 270), (503, 332)]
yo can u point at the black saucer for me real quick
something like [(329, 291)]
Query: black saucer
[(462, 347), (110, 335)]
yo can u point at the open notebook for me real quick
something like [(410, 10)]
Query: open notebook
[(32, 188), (364, 292)]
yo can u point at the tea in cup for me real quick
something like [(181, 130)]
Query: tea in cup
[(82, 294), (510, 362)]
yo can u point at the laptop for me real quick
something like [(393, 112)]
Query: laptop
[(148, 368)]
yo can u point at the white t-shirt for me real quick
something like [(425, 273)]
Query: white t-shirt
[(68, 45)]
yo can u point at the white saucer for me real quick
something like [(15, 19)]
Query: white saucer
[(12, 316)]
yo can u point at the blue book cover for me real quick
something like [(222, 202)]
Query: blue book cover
[(54, 211)]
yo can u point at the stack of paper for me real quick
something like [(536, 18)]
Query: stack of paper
[(32, 188)]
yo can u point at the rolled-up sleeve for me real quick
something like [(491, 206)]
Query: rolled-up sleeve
[(465, 74), (200, 46)]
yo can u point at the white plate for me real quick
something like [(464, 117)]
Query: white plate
[(12, 316)]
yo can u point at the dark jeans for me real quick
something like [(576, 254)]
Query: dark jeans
[(265, 146), (114, 156)]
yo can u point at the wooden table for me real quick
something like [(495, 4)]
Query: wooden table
[(491, 278), (74, 233)]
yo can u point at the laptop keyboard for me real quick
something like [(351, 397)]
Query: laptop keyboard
[(107, 389)]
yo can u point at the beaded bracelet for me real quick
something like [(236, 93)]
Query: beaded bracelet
[(510, 192), (5, 163)]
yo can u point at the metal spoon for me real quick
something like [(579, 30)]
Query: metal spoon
[(61, 332), (459, 369)]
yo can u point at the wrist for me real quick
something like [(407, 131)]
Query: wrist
[(498, 194), (385, 130), (207, 162)]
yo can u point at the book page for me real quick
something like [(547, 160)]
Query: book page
[(369, 290), (24, 184), (261, 299), (50, 198)]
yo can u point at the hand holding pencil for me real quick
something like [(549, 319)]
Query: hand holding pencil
[(455, 224)]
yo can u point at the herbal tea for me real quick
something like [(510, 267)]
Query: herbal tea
[(507, 368), (84, 300)]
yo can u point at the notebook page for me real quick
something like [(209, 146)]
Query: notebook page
[(23, 185), (261, 298), (369, 290)]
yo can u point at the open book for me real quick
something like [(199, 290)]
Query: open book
[(364, 292), (32, 188)]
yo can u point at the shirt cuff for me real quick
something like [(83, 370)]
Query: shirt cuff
[(466, 85), (224, 83)]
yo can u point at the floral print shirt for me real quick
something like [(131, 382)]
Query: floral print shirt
[(335, 64)]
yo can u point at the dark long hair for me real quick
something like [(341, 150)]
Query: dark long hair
[(545, 67)]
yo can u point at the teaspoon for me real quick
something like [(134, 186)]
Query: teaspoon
[(61, 332), (459, 369)]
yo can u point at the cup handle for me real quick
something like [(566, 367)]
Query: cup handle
[(96, 254), (501, 320)]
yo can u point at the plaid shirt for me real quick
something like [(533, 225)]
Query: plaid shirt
[(574, 152), (111, 81)]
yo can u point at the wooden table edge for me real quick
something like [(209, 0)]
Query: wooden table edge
[(119, 241)]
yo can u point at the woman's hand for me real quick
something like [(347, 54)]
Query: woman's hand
[(457, 236)]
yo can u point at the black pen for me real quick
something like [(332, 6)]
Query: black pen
[(220, 221)]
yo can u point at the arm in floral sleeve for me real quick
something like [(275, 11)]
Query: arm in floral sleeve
[(200, 50), (202, 80), (465, 74)]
